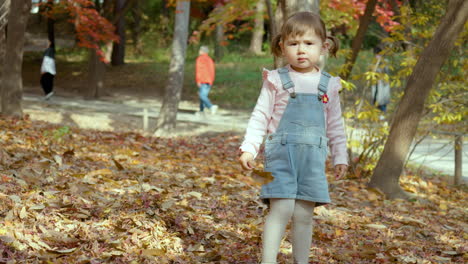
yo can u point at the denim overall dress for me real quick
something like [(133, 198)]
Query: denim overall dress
[(295, 154)]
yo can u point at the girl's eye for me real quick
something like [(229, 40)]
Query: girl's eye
[(310, 43)]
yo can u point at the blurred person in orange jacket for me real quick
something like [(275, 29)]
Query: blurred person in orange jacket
[(204, 76)]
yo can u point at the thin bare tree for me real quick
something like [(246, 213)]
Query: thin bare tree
[(166, 123), (219, 35), (118, 51), (257, 35), (364, 22)]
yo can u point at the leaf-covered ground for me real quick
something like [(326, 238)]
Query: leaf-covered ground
[(83, 196)]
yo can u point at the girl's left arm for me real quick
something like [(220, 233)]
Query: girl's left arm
[(335, 126)]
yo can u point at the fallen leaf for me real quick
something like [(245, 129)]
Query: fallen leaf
[(195, 194), (167, 204), (451, 253), (37, 207), (7, 239), (118, 165), (64, 251), (15, 198), (376, 226), (23, 214), (59, 160), (196, 248), (261, 177), (153, 252)]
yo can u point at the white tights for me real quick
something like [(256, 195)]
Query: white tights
[(281, 210)]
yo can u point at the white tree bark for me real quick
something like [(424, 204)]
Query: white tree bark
[(166, 123), (257, 36)]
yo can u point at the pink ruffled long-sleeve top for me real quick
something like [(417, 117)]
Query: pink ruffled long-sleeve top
[(272, 103)]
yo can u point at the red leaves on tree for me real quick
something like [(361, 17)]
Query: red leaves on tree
[(92, 29), (383, 11)]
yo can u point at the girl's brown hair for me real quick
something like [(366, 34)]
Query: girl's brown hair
[(297, 25)]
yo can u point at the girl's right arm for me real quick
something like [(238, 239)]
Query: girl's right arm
[(260, 118)]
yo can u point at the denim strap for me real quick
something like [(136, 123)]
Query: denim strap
[(288, 84), (323, 84)]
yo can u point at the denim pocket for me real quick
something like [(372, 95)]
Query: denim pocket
[(271, 150)]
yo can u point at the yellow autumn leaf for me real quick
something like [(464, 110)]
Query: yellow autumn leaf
[(23, 214), (262, 177), (339, 232), (443, 206), (195, 194), (153, 252), (376, 226), (64, 251)]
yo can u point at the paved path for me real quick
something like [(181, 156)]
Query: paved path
[(127, 114), (439, 154), (436, 154)]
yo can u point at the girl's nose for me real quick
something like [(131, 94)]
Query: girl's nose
[(300, 48)]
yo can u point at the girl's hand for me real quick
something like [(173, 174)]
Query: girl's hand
[(340, 170), (247, 161)]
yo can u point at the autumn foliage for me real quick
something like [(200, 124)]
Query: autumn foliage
[(92, 29), (81, 196), (384, 15)]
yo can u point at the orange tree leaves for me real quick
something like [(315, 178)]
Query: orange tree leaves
[(92, 29), (348, 12)]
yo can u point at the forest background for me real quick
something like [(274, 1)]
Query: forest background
[(142, 36)]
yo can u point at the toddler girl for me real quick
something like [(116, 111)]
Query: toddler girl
[(299, 112)]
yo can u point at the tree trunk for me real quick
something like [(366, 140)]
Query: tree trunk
[(2, 60), (219, 45), (404, 126), (364, 22), (136, 28), (4, 10), (294, 6), (285, 9), (12, 88), (50, 23), (96, 69), (257, 35), (168, 114), (118, 52), (164, 9), (271, 20), (51, 30)]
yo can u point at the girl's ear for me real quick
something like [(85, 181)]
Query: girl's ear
[(281, 46), (325, 47)]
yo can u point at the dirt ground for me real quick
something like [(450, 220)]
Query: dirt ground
[(135, 79)]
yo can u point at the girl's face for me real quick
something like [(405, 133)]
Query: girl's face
[(303, 52)]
